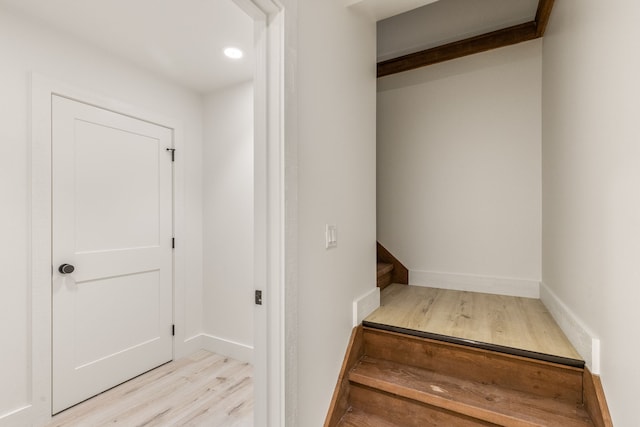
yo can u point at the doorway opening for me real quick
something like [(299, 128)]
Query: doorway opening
[(137, 92)]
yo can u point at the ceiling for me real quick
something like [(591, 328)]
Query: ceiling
[(182, 40), (445, 21), (381, 9)]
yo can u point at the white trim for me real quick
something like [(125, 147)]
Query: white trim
[(262, 408), (229, 348), (583, 339), (474, 283), (277, 304), (258, 10), (42, 89), (180, 346), (595, 356), (269, 213), (20, 416), (365, 305), (40, 247)]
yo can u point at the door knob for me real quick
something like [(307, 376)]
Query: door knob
[(66, 268)]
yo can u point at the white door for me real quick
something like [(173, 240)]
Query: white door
[(112, 221)]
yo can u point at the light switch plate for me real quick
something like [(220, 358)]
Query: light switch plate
[(331, 236)]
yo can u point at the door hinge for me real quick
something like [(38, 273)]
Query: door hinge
[(173, 243), (258, 297), (173, 330), (173, 154)]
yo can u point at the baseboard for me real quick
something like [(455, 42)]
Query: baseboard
[(467, 282), (235, 350), (365, 305), (18, 417), (583, 339)]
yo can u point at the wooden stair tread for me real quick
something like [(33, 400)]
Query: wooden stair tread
[(384, 268), (357, 418), (485, 402)]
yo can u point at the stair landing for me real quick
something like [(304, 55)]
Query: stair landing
[(511, 325)]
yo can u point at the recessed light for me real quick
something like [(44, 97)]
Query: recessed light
[(233, 53)]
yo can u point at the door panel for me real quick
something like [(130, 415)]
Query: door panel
[(112, 220), (134, 185), (105, 334)]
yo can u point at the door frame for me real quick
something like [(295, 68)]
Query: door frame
[(42, 90), (146, 352), (271, 218)]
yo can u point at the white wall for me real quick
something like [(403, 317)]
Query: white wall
[(335, 88), (27, 47), (228, 221), (459, 181), (591, 203)]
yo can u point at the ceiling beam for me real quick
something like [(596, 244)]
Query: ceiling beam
[(542, 16), (482, 43), (477, 44)]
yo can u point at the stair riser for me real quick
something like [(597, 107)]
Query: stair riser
[(538, 378), (384, 280), (400, 272), (405, 412)]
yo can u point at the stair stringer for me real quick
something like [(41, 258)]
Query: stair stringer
[(340, 401)]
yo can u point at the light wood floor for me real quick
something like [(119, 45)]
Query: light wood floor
[(519, 323), (204, 389)]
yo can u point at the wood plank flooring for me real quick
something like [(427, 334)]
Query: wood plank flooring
[(512, 322), (204, 389)]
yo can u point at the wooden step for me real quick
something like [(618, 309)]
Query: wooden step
[(484, 402), (384, 272), (392, 379), (539, 378), (394, 408), (398, 411), (400, 273), (384, 268), (356, 418)]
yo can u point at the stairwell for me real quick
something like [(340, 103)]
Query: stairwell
[(389, 269), (391, 379)]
